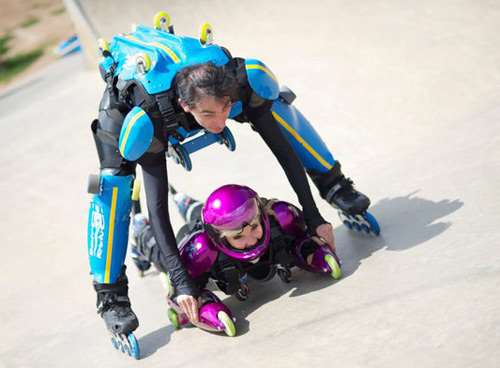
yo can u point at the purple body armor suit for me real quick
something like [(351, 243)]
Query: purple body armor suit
[(198, 253)]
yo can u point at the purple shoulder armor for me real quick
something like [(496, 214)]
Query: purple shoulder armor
[(198, 253), (289, 217)]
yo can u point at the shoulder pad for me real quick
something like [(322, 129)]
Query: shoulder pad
[(289, 218), (163, 55), (261, 79), (198, 253)]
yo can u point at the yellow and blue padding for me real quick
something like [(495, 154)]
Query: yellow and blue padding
[(168, 53), (262, 80), (236, 109), (306, 143), (108, 224), (136, 134)]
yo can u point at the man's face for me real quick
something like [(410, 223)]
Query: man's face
[(210, 112)]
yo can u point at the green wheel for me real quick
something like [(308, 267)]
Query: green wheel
[(228, 323), (174, 318), (136, 190), (167, 284), (334, 266)]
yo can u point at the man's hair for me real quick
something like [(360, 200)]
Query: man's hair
[(197, 81)]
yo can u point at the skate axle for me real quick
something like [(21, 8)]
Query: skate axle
[(284, 273), (242, 293)]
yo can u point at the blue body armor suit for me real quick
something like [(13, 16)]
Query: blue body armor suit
[(149, 59)]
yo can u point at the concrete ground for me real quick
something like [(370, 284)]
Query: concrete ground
[(407, 96)]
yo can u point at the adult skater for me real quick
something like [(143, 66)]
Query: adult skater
[(160, 87)]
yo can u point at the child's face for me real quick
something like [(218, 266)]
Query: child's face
[(248, 237)]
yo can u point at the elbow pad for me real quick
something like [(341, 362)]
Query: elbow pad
[(136, 134)]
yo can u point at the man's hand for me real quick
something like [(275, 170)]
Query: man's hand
[(324, 234), (189, 305)]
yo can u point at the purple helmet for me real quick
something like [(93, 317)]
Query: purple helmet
[(232, 207)]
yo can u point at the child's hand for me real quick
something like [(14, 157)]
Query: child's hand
[(324, 234), (189, 305)]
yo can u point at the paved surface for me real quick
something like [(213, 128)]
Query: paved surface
[(408, 99)]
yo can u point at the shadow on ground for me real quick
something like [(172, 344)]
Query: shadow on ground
[(154, 340), (406, 222)]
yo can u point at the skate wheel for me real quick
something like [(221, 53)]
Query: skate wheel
[(181, 156), (374, 226), (228, 323), (365, 228), (126, 349), (242, 293), (143, 63), (133, 346), (356, 226), (114, 343), (206, 34), (284, 274), (103, 45), (119, 345), (161, 21), (167, 284), (228, 139), (347, 224), (94, 184), (336, 271), (174, 318), (136, 190)]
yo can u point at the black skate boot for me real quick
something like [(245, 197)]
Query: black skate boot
[(189, 208), (339, 191), (141, 233), (114, 307), (351, 204)]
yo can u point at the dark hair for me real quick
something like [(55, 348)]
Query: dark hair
[(196, 81)]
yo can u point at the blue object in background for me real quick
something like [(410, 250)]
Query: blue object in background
[(70, 46)]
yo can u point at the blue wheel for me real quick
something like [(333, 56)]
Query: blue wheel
[(181, 156), (134, 351), (119, 344), (348, 224), (228, 139), (126, 349), (114, 343), (374, 226), (356, 226)]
